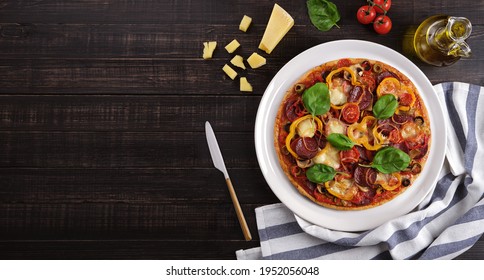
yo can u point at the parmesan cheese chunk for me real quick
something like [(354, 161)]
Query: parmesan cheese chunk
[(232, 46), (255, 60), (229, 71), (238, 61), (245, 85), (279, 24), (208, 48), (245, 23)]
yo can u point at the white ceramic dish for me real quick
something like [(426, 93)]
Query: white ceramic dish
[(355, 220)]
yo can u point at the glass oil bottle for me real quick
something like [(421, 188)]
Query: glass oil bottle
[(439, 40)]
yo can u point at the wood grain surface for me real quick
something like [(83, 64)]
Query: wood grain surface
[(102, 110)]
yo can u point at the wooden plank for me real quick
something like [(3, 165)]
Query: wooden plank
[(475, 252), (228, 12), (107, 76), (155, 42), (122, 149), (142, 250), (179, 113), (102, 106), (121, 250), (120, 221), (148, 186), (163, 77), (93, 41), (78, 59)]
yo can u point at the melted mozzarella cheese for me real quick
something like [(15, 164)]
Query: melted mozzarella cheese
[(356, 68), (335, 126), (344, 189), (329, 156), (409, 130), (306, 128), (337, 96)]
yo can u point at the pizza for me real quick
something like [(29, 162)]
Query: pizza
[(352, 134)]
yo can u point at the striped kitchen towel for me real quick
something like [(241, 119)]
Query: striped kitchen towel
[(447, 223)]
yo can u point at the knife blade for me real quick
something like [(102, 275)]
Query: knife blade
[(215, 152), (219, 163)]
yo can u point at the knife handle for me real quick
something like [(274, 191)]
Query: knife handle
[(238, 211)]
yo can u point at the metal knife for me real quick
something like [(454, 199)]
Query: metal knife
[(218, 162)]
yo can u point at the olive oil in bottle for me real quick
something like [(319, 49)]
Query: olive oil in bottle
[(439, 40)]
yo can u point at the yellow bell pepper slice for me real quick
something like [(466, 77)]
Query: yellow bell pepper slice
[(358, 133), (344, 189), (407, 90), (393, 86), (336, 71), (385, 184), (389, 85), (292, 131)]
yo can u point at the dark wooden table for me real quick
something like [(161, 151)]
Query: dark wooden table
[(102, 111)]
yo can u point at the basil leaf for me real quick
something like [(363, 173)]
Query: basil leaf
[(390, 159), (320, 173), (323, 14), (385, 107), (340, 141), (316, 99)]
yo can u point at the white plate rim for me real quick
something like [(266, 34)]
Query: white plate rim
[(354, 220)]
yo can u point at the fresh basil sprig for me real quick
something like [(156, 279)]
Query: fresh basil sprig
[(340, 141), (385, 107), (320, 173), (316, 99), (323, 14), (390, 159)]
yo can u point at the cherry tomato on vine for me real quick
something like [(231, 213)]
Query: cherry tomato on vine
[(382, 24), (366, 14), (382, 6)]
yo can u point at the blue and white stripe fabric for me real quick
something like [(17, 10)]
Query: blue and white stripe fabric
[(447, 223)]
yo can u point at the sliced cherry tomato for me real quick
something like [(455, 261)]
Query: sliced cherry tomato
[(343, 63), (368, 80), (395, 137), (418, 142), (382, 6), (366, 14), (350, 112), (382, 24), (349, 160), (350, 156), (405, 99)]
